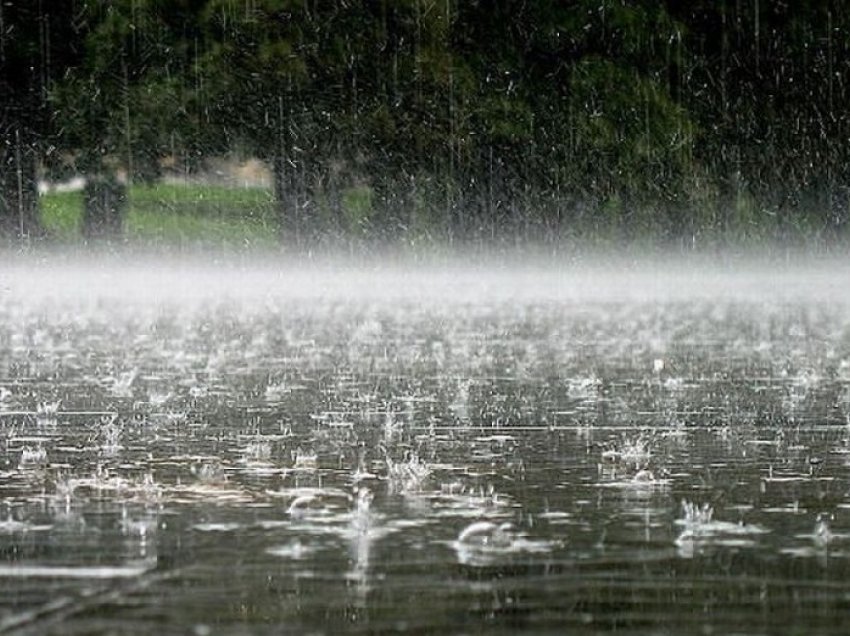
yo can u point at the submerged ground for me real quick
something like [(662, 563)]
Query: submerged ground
[(233, 447)]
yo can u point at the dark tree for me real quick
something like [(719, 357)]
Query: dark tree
[(39, 41), (473, 118), (131, 102)]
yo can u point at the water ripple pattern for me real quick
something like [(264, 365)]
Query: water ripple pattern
[(232, 449)]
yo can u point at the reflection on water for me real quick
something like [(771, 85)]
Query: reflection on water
[(228, 452)]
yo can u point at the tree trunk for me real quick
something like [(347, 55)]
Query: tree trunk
[(284, 195), (19, 211), (105, 206)]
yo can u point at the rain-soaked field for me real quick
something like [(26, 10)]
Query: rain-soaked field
[(230, 450)]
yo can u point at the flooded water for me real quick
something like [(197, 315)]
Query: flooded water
[(234, 450)]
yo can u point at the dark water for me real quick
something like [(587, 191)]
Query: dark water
[(219, 452)]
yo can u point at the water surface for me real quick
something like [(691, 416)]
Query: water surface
[(231, 449)]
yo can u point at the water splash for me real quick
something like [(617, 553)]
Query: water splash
[(701, 531), (823, 534), (305, 461), (408, 476), (630, 453), (33, 457), (122, 386), (47, 411)]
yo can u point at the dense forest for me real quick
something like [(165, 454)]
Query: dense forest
[(686, 122)]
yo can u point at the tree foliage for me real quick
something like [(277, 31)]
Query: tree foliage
[(480, 116), (37, 43)]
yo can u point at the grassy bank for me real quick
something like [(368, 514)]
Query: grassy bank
[(211, 216), (176, 214)]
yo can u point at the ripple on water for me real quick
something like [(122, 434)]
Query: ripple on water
[(316, 463), (484, 543), (217, 526), (295, 549), (13, 526), (123, 571)]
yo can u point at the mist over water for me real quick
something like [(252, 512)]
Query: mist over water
[(159, 276), (256, 445)]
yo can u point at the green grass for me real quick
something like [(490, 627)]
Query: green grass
[(60, 214), (192, 215), (176, 214)]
